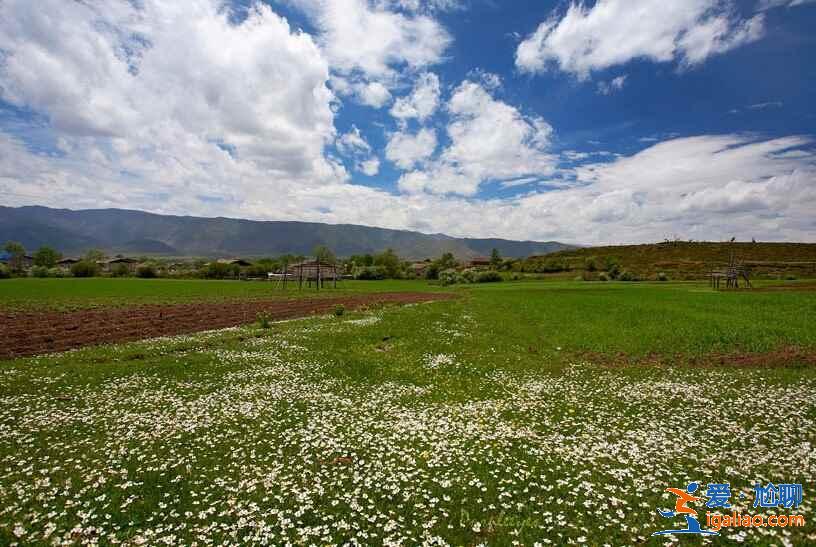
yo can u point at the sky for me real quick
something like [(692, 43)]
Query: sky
[(616, 121)]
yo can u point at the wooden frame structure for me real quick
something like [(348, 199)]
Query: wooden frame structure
[(309, 271), (732, 275)]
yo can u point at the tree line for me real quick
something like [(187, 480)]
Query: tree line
[(370, 266)]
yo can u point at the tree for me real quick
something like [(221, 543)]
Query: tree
[(46, 257), (362, 260), (390, 263), (495, 258), (221, 270), (445, 262), (613, 267), (94, 255), (16, 253), (324, 254)]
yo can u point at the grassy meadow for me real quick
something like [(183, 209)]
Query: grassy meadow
[(77, 293), (521, 413)]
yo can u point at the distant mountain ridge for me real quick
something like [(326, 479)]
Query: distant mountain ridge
[(141, 233)]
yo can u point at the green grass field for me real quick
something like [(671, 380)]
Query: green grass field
[(72, 293), (530, 413)]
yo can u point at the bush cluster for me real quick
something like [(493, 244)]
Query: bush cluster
[(220, 270), (146, 271), (452, 277), (120, 270), (40, 271), (369, 273), (626, 275), (85, 268)]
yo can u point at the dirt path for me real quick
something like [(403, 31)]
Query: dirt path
[(33, 333)]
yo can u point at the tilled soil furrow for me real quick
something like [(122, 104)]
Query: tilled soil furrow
[(34, 333)]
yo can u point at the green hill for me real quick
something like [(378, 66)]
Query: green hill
[(684, 260)]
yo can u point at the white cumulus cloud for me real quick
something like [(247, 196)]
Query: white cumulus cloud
[(423, 100), (614, 32), (406, 150), (159, 84), (354, 146), (366, 37), (489, 140)]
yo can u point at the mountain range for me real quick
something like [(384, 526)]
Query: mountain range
[(141, 233)]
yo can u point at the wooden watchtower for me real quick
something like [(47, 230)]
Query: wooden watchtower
[(315, 271), (732, 275)]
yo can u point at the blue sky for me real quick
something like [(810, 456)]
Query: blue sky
[(596, 122)]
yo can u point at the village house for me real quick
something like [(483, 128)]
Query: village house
[(479, 262), (109, 265), (65, 264), (26, 262), (419, 268)]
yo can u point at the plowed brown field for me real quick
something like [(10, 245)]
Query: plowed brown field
[(33, 333)]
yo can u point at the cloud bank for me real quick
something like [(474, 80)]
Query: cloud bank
[(181, 109)]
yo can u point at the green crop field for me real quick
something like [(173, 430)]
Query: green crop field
[(72, 293), (521, 413)]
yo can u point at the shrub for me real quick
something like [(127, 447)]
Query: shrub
[(603, 276), (4, 272), (612, 267), (468, 276), (516, 276), (339, 310), (662, 277), (590, 264), (370, 273), (220, 270), (552, 265), (445, 262), (490, 276), (84, 268), (56, 272), (120, 270), (39, 271), (790, 277), (264, 320), (146, 271), (448, 277), (626, 275)]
